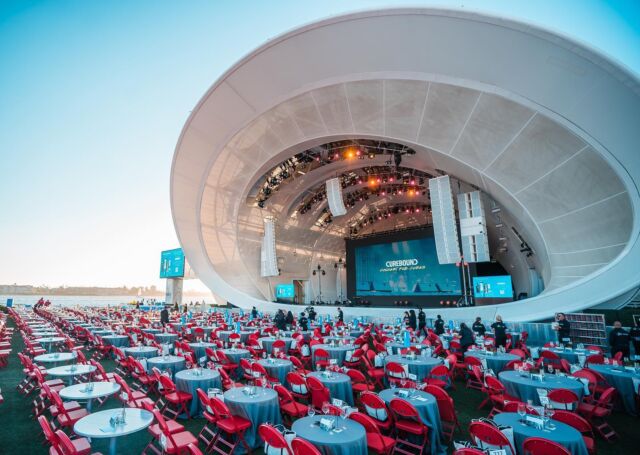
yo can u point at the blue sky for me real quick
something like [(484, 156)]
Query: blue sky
[(93, 95)]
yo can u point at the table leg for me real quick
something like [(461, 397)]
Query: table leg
[(89, 404), (112, 446)]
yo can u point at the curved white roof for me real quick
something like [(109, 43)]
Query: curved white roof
[(545, 126)]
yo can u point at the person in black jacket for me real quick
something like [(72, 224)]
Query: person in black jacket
[(279, 320), (164, 316), (619, 340), (312, 314), (479, 327), (412, 319), (289, 318), (422, 320), (563, 328), (466, 337), (634, 333), (303, 322), (438, 325), (500, 331), (254, 313), (340, 315)]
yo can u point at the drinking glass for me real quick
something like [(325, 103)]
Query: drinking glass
[(392, 384), (325, 408), (522, 411), (403, 382), (311, 411), (549, 411)]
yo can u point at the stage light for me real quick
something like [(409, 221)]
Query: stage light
[(383, 193), (378, 180), (391, 179), (413, 181), (336, 156), (407, 210), (400, 192), (372, 182), (417, 209), (372, 155)]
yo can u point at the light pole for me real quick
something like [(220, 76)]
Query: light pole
[(319, 271)]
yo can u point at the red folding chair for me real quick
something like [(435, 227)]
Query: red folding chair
[(231, 429), (579, 423), (273, 440), (598, 412), (176, 400), (541, 446), (484, 434), (376, 441), (408, 424), (563, 399), (303, 447), (289, 407)]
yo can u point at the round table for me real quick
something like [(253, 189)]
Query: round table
[(206, 329), (306, 334), (427, 406), (97, 425), (235, 354), (339, 385), (570, 355), (420, 366), (79, 392), (267, 343), (199, 348), (116, 340), (352, 441), (261, 408), (396, 347), (165, 338), (335, 352), (56, 357), (278, 368), (563, 434), (48, 342), (188, 381), (44, 334), (151, 331), (356, 333), (141, 352), (172, 363), (496, 362), (71, 371), (224, 335), (522, 386), (102, 332), (339, 339), (622, 380)]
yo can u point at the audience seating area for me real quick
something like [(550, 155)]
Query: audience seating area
[(117, 381)]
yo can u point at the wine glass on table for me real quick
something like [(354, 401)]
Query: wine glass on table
[(549, 411), (403, 382), (325, 408), (522, 411)]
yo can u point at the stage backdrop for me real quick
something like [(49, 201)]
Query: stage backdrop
[(402, 264)]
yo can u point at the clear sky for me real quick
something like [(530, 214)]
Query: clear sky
[(93, 95)]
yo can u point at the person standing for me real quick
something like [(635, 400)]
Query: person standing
[(279, 320), (563, 327), (405, 319), (619, 340), (254, 313), (422, 320), (500, 331), (289, 319), (438, 325), (466, 337), (303, 322), (340, 316), (479, 327), (176, 308), (412, 320), (634, 333), (312, 314), (164, 316)]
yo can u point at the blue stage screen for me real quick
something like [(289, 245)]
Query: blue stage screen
[(172, 263), (492, 287), (405, 268), (285, 291)]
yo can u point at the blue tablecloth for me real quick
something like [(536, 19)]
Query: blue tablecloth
[(278, 369), (267, 343), (116, 340), (187, 381), (199, 348), (151, 331), (563, 434), (306, 335), (263, 407), (429, 414), (420, 366), (224, 335), (496, 362), (141, 352), (397, 347), (622, 380), (526, 388), (570, 355), (352, 441), (173, 364), (339, 386), (163, 338), (335, 352)]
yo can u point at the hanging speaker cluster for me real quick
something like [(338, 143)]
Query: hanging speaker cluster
[(334, 197), (268, 258), (445, 230), (473, 228)]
